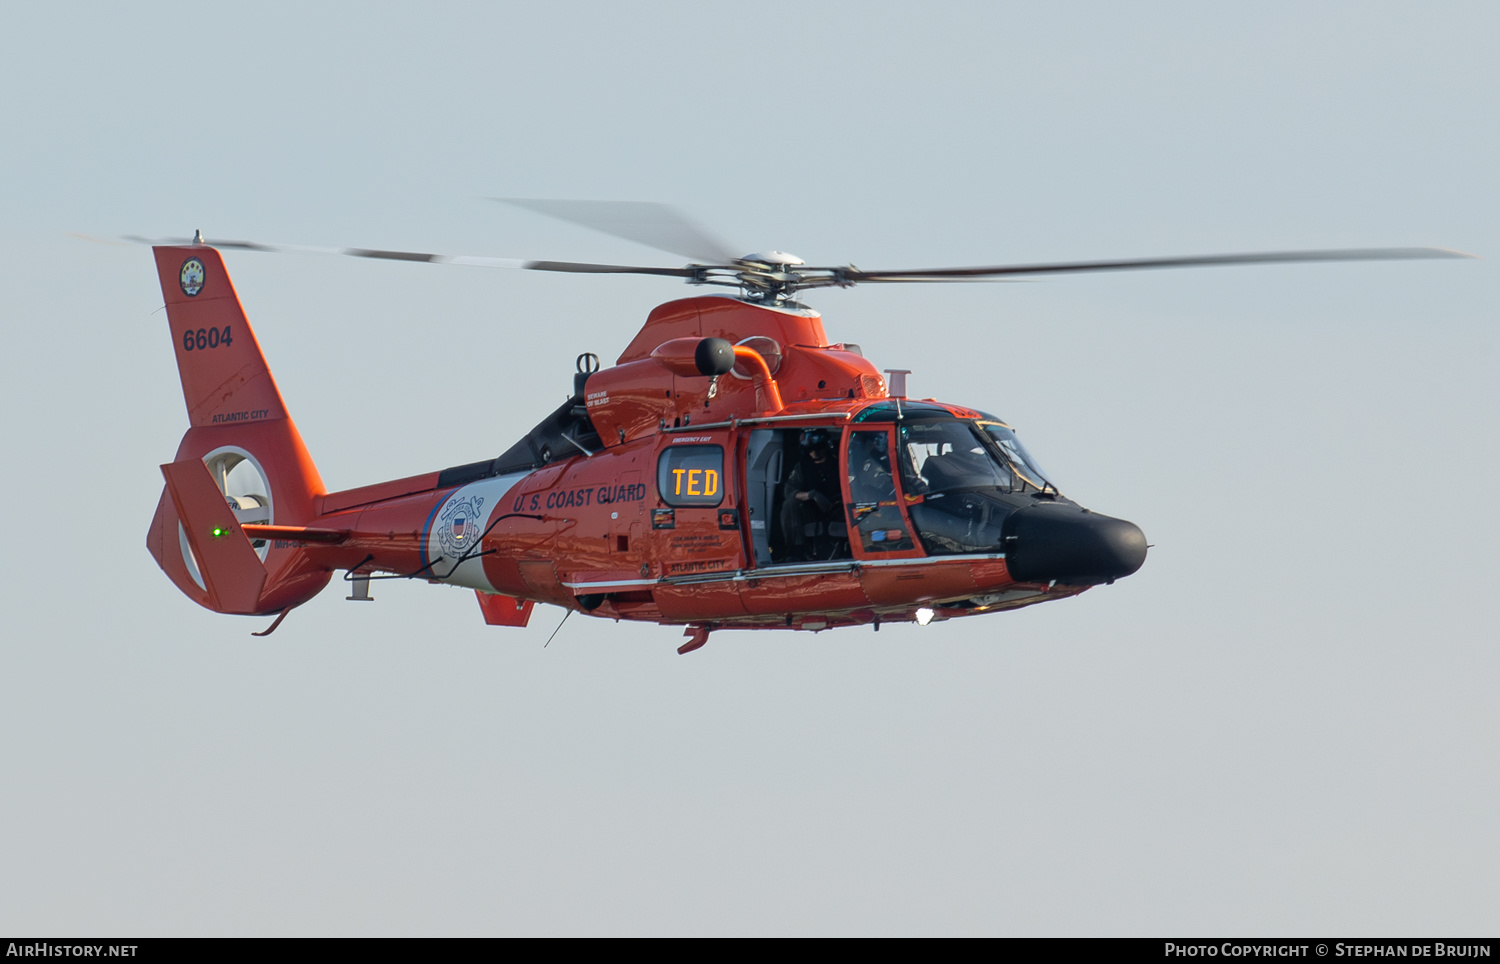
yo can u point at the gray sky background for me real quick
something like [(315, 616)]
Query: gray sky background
[(1285, 724)]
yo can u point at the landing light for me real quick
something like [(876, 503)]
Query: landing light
[(924, 616)]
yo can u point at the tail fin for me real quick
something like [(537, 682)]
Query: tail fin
[(225, 380), (240, 430)]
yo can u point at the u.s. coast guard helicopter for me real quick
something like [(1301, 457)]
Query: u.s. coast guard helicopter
[(735, 468)]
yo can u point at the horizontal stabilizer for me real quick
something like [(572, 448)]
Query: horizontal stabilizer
[(232, 572), (504, 610), (296, 534)]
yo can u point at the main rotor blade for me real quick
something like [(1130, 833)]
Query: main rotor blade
[(380, 254), (854, 275), (644, 222)]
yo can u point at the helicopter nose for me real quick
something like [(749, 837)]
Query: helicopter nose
[(1068, 544)]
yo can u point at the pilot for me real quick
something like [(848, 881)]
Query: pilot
[(811, 500), (870, 479)]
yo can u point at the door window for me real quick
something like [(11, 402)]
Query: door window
[(874, 505)]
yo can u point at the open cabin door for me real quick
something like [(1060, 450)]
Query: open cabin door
[(794, 494)]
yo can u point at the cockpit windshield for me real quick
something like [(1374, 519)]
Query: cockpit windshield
[(1015, 453)]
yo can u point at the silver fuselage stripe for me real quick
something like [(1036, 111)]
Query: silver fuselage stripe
[(796, 569)]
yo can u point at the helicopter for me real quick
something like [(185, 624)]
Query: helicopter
[(734, 468)]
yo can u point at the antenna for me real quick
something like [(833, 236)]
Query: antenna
[(896, 386)]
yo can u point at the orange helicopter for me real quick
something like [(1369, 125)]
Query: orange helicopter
[(734, 469)]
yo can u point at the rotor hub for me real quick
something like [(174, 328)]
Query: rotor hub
[(771, 257)]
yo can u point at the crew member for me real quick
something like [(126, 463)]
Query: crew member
[(811, 500)]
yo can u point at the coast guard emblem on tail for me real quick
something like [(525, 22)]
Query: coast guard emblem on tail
[(191, 277)]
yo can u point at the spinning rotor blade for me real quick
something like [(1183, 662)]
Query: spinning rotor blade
[(776, 276), (856, 276), (644, 222), (379, 254)]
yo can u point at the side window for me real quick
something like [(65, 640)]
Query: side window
[(691, 475), (941, 456)]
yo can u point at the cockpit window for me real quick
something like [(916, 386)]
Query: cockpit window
[(951, 472), (1015, 453), (959, 477), (939, 456)]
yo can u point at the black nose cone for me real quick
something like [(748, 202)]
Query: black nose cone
[(1056, 541)]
